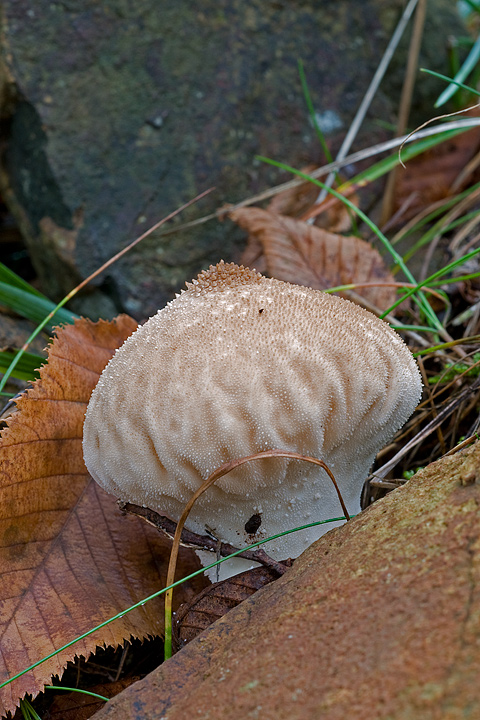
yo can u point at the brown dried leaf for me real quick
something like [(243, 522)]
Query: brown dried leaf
[(253, 255), (333, 215), (216, 600), (298, 202), (306, 255), (68, 558)]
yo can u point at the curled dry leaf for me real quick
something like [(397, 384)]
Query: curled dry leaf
[(253, 255), (307, 255), (297, 200), (68, 558), (216, 600)]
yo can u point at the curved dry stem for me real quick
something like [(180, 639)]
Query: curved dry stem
[(216, 475), (428, 122)]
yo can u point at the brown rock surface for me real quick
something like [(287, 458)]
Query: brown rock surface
[(379, 619)]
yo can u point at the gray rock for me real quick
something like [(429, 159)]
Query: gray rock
[(119, 112)]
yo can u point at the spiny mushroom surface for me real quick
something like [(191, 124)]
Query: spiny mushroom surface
[(236, 364)]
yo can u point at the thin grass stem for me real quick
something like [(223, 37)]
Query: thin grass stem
[(468, 65), (370, 93), (312, 113), (450, 80), (435, 275)]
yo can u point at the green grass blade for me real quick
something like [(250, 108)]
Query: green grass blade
[(162, 592), (9, 277), (439, 228), (474, 7), (27, 366), (311, 111), (32, 305), (438, 212), (448, 268), (27, 710), (426, 283), (467, 67), (445, 346), (416, 328), (456, 279), (77, 690), (408, 152), (450, 80)]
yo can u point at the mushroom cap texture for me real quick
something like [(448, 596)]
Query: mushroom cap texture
[(236, 364)]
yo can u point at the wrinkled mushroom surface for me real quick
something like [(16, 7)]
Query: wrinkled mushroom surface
[(236, 364)]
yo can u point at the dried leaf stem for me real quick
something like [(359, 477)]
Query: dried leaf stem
[(444, 413), (200, 542)]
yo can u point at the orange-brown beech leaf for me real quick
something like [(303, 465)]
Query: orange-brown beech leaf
[(69, 559), (299, 202), (307, 255)]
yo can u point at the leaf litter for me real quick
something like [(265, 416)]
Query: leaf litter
[(69, 559), (289, 248)]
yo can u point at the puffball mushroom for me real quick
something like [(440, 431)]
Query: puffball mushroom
[(237, 364)]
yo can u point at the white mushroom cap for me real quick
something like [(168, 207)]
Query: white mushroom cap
[(236, 364)]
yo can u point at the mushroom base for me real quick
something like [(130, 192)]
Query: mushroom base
[(226, 569)]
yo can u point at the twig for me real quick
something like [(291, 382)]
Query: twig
[(428, 429), (217, 475), (201, 542)]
